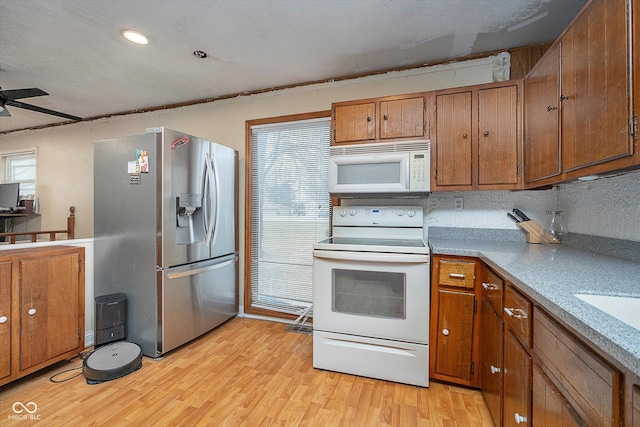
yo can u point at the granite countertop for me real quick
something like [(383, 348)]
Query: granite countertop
[(552, 274)]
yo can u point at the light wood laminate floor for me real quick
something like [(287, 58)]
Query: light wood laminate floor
[(246, 372)]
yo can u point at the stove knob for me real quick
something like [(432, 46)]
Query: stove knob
[(400, 212), (353, 212), (342, 212), (411, 213)]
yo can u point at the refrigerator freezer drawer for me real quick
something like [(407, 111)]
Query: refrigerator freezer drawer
[(196, 298), (401, 362)]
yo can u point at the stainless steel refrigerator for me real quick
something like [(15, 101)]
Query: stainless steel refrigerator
[(165, 227)]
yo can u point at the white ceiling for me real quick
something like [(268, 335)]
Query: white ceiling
[(73, 49)]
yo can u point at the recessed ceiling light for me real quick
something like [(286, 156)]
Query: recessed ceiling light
[(134, 36)]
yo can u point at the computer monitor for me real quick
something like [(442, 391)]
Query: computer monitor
[(9, 196)]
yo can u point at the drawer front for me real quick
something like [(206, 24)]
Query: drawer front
[(517, 314), (589, 384), (460, 274), (492, 289)]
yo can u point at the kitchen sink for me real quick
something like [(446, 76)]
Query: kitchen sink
[(623, 308)]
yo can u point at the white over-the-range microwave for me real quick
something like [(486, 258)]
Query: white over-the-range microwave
[(375, 169)]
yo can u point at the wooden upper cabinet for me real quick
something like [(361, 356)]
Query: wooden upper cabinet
[(402, 118), (498, 148), (478, 143), (381, 119), (454, 140), (542, 120), (354, 122), (581, 108), (595, 86)]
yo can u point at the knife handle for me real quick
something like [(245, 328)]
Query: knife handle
[(521, 214), (513, 217)]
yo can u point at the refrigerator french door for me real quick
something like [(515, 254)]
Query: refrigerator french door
[(165, 216)]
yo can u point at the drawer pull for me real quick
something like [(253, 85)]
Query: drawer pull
[(520, 418), (457, 275), (490, 286), (516, 313), (445, 332), (3, 319), (31, 311), (495, 370)]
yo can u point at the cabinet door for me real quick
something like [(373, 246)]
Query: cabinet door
[(354, 122), (491, 373), (5, 319), (517, 386), (549, 407), (595, 86), (454, 140), (49, 310), (454, 340), (542, 118), (402, 118), (498, 136)]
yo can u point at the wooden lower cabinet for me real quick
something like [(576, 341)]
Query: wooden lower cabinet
[(454, 321), (491, 373), (550, 408), (635, 406), (41, 309), (591, 385), (517, 382), (5, 320)]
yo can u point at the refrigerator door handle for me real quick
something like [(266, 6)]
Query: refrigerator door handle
[(195, 271), (207, 193), (214, 221)]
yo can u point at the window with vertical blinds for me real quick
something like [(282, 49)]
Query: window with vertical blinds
[(289, 211)]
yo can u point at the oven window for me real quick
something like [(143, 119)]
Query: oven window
[(369, 293)]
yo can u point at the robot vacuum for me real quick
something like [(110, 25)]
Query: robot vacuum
[(112, 361)]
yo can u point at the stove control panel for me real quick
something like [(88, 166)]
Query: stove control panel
[(385, 216)]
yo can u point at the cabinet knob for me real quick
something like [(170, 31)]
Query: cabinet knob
[(31, 311), (464, 135), (3, 319), (563, 97), (486, 133), (550, 108), (368, 118), (386, 117), (520, 419), (445, 332), (494, 370)]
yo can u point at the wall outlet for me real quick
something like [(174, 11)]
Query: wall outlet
[(458, 203)]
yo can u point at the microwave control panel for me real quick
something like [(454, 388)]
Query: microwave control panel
[(419, 169)]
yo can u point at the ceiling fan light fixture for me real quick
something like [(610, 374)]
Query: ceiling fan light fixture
[(134, 36)]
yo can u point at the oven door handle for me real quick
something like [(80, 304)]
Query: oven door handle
[(372, 257)]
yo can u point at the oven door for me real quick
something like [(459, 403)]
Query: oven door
[(378, 295)]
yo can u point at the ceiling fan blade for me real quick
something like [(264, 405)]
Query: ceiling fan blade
[(19, 104), (12, 94)]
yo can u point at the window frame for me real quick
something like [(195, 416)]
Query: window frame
[(247, 211), (28, 153)]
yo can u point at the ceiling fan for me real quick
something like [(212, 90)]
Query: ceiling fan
[(9, 97)]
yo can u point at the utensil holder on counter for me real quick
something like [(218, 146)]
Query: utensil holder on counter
[(536, 233)]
